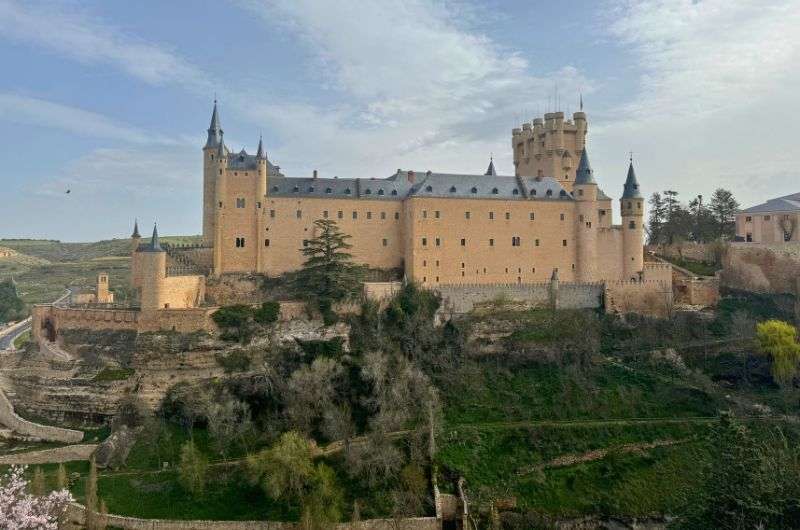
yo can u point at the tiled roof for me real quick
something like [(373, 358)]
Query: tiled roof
[(787, 203)]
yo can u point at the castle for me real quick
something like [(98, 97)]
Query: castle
[(469, 236), (437, 228)]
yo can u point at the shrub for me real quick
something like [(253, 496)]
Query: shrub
[(234, 316), (267, 313), (778, 340), (193, 469), (235, 361)]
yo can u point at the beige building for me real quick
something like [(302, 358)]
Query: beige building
[(437, 228), (775, 221)]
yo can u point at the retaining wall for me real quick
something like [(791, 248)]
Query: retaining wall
[(28, 429), (76, 515), (463, 298)]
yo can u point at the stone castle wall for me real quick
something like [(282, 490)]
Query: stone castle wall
[(463, 298), (649, 297), (762, 268)]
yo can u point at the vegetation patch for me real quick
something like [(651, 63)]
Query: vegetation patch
[(109, 374)]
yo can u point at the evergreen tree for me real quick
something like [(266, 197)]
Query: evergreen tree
[(703, 224), (658, 214), (11, 305), (724, 207), (328, 274)]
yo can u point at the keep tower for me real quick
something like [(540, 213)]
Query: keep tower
[(210, 174), (632, 210), (585, 193)]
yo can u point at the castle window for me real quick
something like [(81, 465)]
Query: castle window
[(436, 214), (424, 214), (325, 214), (562, 216), (239, 242), (369, 215), (383, 215), (258, 205), (340, 214), (491, 215), (355, 215), (452, 189), (305, 242), (532, 216), (767, 217), (347, 191), (630, 205), (428, 188), (396, 216), (462, 264), (380, 191), (602, 213), (748, 219), (424, 263), (463, 242), (394, 192), (274, 188), (549, 193), (533, 192), (563, 242), (631, 224), (266, 242), (299, 214), (220, 204), (508, 215), (272, 213), (328, 190), (495, 191), (212, 157), (466, 215), (749, 237), (515, 241), (519, 279), (639, 205), (474, 190), (462, 273), (506, 270), (424, 279), (385, 242), (580, 193), (424, 241), (296, 189), (580, 218), (240, 203), (437, 279), (515, 191), (437, 264), (220, 172), (310, 189), (484, 270), (536, 243), (438, 243), (491, 242)]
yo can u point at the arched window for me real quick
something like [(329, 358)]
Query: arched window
[(562, 193), (347, 191), (310, 189), (328, 190), (495, 191), (452, 189), (533, 192), (474, 190), (368, 191), (380, 191), (296, 189), (274, 188), (394, 192), (428, 188), (549, 193), (515, 191)]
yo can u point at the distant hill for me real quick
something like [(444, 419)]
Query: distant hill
[(56, 251)]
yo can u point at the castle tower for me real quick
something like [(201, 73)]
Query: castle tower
[(102, 293), (153, 266), (261, 192), (210, 156), (632, 210), (586, 221), (216, 207), (550, 147), (136, 273)]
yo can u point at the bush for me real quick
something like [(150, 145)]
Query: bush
[(267, 313), (235, 361), (234, 316)]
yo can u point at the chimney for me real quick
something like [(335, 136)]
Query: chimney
[(411, 177), (315, 173)]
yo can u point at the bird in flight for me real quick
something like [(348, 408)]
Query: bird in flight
[(69, 191)]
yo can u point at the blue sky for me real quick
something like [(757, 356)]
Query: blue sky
[(111, 99)]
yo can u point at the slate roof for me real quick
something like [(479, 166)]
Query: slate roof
[(787, 203), (244, 161), (631, 188), (440, 185), (584, 174)]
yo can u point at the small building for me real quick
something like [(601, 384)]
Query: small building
[(99, 295), (775, 221)]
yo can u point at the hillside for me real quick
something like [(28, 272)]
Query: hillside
[(57, 251)]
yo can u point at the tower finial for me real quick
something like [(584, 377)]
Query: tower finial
[(135, 234), (631, 189), (490, 171), (260, 151), (155, 245), (581, 101), (214, 129)]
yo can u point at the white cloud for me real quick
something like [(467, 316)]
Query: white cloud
[(71, 33), (415, 86), (35, 111), (714, 101)]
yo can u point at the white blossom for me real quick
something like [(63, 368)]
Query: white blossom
[(19, 510)]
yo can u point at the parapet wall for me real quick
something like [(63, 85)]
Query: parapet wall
[(762, 268), (648, 297), (463, 298)]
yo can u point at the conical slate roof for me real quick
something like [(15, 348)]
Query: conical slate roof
[(214, 130), (260, 151), (490, 170), (155, 245), (135, 234), (631, 190), (584, 175)]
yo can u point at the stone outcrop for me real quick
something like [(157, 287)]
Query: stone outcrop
[(113, 451)]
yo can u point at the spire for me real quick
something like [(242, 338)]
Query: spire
[(135, 234), (584, 175), (581, 102), (221, 146), (490, 170), (214, 130), (631, 189), (155, 246), (260, 152)]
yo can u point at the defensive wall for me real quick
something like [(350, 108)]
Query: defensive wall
[(762, 268)]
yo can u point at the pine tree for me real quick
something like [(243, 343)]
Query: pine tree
[(724, 207), (328, 274), (92, 520), (61, 477), (658, 213)]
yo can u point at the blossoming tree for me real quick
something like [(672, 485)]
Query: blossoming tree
[(20, 510)]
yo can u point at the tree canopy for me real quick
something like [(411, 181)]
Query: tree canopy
[(671, 222), (778, 340)]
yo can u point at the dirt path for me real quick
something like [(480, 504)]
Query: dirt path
[(57, 455)]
